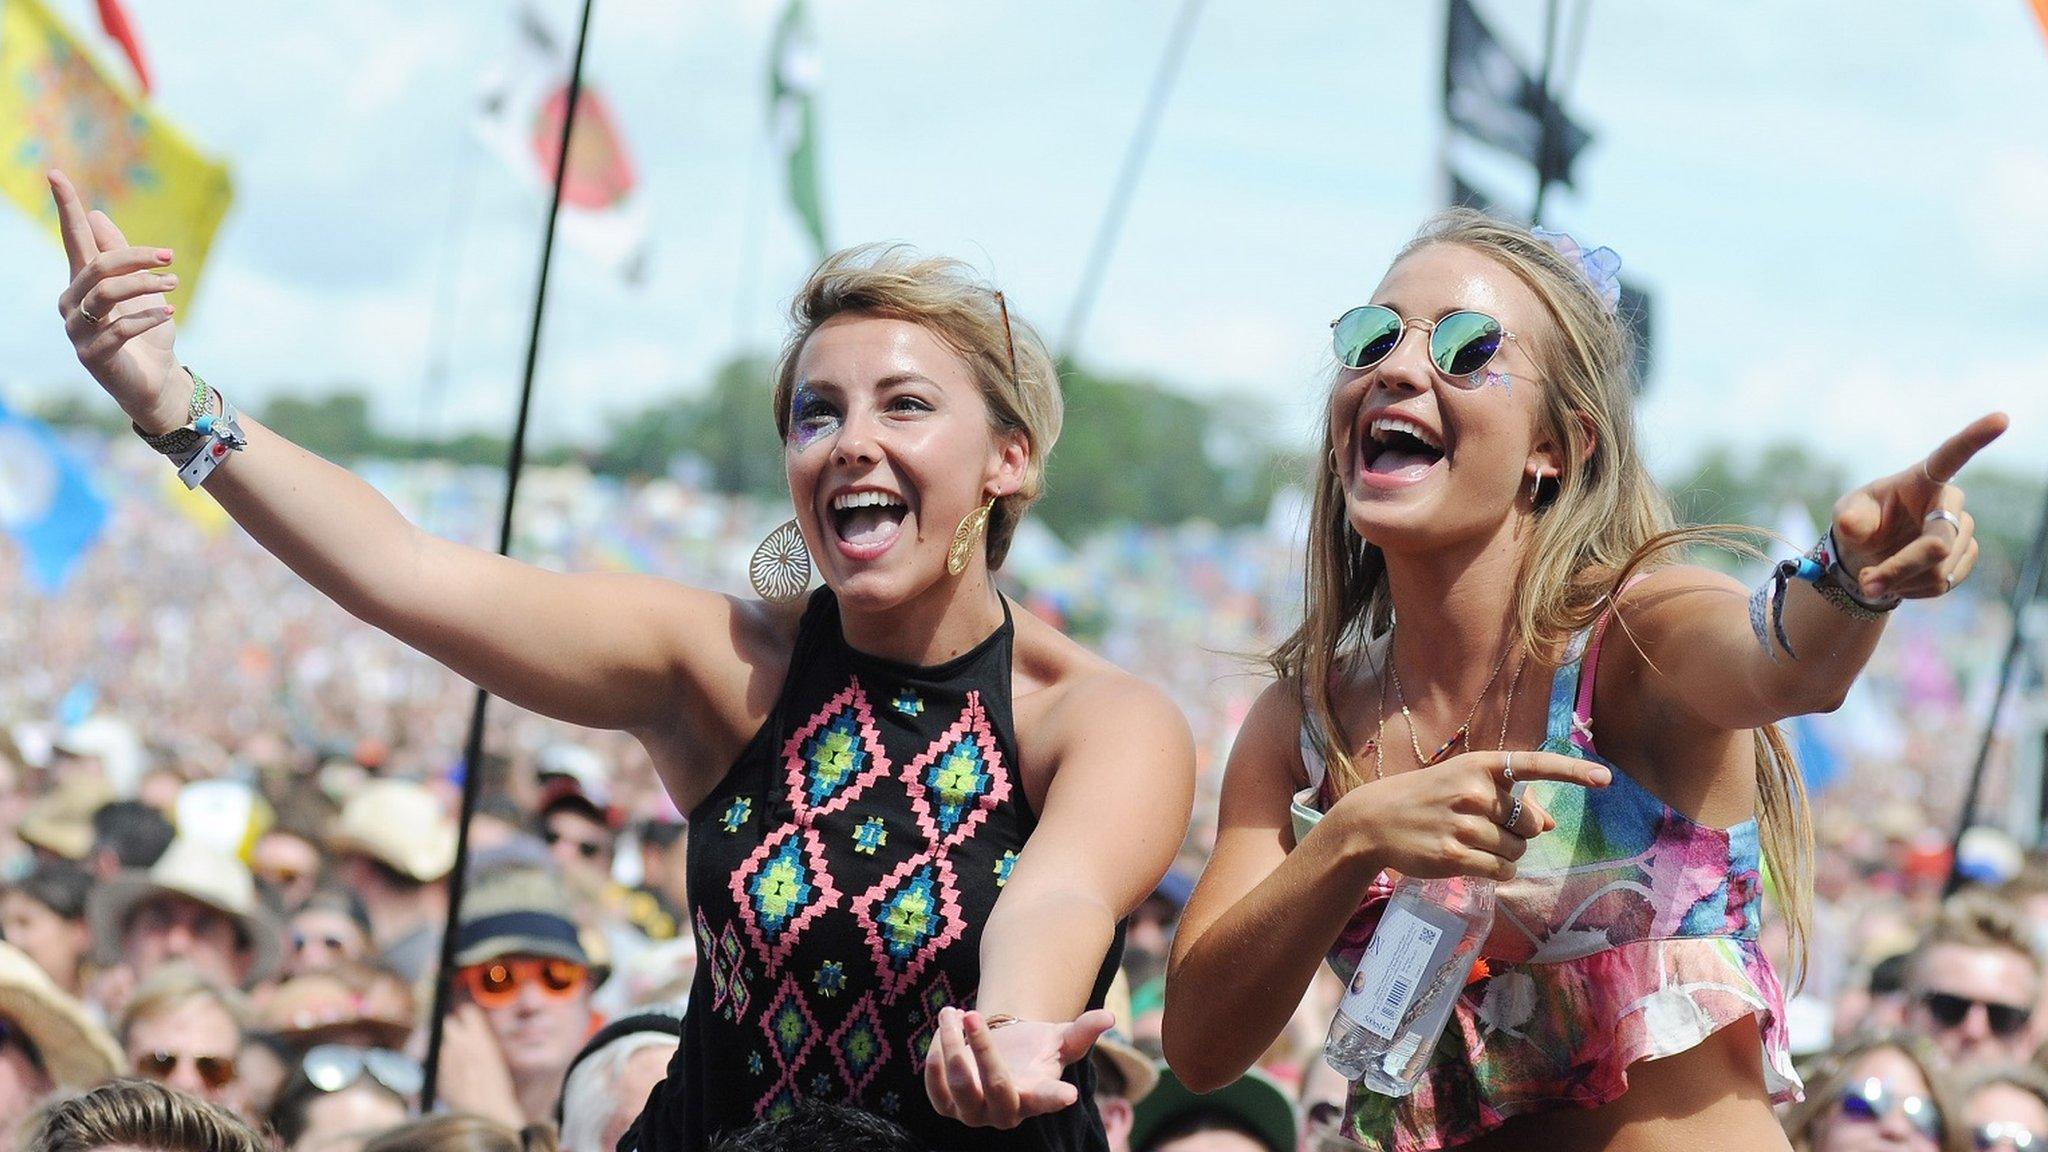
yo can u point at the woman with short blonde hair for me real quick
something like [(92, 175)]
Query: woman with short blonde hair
[(918, 817)]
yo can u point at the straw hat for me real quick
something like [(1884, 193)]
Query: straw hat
[(1114, 1048), (353, 1002), (61, 821), (76, 1052), (518, 912), (195, 872), (399, 824)]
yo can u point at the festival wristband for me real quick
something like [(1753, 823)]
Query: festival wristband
[(1822, 568)]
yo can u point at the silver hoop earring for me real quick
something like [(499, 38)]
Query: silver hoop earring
[(1535, 487)]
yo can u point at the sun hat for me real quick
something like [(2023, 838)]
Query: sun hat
[(1254, 1098), (76, 1052), (60, 821), (348, 1002), (517, 912), (399, 824), (191, 870)]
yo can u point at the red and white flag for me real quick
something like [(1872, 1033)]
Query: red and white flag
[(524, 101)]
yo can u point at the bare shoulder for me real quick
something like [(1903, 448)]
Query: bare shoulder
[(1081, 699), (1269, 741)]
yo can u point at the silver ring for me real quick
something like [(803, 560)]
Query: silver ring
[(1514, 814), (89, 317), (1948, 584), (1954, 520), (1507, 768)]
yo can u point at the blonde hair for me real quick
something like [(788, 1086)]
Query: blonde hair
[(460, 1132), (1825, 1082), (1975, 918), (139, 1114), (1599, 521), (946, 298), (172, 987)]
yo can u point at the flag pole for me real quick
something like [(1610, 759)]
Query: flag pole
[(1111, 227), (473, 749), (1543, 121), (2023, 595)]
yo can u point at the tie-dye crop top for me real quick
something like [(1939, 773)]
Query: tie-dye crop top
[(1628, 934)]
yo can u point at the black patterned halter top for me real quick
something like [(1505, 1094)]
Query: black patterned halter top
[(839, 878)]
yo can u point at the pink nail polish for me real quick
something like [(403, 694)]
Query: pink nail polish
[(163, 255)]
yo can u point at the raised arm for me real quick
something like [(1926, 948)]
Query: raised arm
[(603, 651), (1114, 816), (1267, 910), (1906, 535)]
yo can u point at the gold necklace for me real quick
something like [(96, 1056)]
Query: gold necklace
[(1507, 713), (1465, 729)]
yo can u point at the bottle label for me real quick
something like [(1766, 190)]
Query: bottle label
[(1391, 971)]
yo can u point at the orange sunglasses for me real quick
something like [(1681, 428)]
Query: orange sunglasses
[(496, 983)]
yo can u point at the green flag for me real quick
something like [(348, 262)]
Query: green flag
[(793, 115)]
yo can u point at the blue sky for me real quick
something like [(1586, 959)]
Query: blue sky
[(1842, 209)]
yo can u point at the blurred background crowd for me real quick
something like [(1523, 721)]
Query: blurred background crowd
[(227, 830)]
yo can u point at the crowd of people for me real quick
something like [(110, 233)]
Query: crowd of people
[(930, 873), (228, 836)]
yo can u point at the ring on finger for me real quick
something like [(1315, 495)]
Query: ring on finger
[(1944, 514), (89, 317), (1514, 814), (1507, 768)]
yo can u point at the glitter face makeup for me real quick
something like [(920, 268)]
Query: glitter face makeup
[(809, 417), (1501, 380)]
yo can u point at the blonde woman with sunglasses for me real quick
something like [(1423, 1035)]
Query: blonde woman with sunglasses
[(1490, 575), (918, 817)]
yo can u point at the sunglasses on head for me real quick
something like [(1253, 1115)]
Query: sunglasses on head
[(2000, 1135), (333, 1067), (1950, 1010), (1874, 1100), (588, 849), (1460, 344), (214, 1071), (497, 983)]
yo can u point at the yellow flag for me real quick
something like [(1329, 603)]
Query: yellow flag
[(60, 109)]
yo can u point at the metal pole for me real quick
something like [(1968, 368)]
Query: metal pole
[(473, 749), (1546, 108), (1127, 180), (2023, 594)]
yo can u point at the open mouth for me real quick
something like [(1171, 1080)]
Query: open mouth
[(868, 521), (1400, 449)]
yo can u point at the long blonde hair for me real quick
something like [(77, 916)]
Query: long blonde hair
[(1598, 523)]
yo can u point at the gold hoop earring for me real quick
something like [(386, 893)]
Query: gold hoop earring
[(781, 567), (966, 536)]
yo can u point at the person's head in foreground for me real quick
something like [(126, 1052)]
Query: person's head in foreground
[(184, 1030), (1888, 1093), (910, 399), (2005, 1107), (814, 1125), (140, 1116), (47, 1041), (1973, 981), (339, 1098), (1250, 1114), (462, 1133), (609, 1080)]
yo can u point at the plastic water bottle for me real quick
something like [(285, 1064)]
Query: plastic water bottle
[(1401, 996)]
